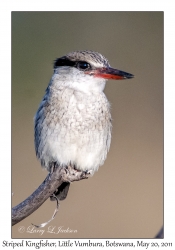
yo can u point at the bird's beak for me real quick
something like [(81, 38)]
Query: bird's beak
[(110, 73)]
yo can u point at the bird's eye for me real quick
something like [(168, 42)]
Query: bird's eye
[(83, 65)]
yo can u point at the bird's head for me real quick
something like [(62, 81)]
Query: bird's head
[(86, 71)]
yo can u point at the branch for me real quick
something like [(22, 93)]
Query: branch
[(160, 234), (45, 190)]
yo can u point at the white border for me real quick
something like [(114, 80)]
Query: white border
[(5, 101)]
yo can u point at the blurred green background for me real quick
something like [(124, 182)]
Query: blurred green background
[(124, 199)]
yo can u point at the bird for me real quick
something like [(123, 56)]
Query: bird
[(72, 126)]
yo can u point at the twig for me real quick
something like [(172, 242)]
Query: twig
[(44, 191), (160, 234)]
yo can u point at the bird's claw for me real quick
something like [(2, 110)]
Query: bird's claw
[(71, 174)]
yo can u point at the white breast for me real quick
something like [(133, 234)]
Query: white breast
[(76, 129)]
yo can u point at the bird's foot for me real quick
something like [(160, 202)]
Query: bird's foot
[(72, 174), (52, 167)]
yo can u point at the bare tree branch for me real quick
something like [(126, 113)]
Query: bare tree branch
[(160, 234), (44, 191)]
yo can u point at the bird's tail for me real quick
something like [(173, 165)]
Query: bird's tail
[(61, 192)]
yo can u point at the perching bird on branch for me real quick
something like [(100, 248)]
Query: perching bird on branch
[(73, 121)]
